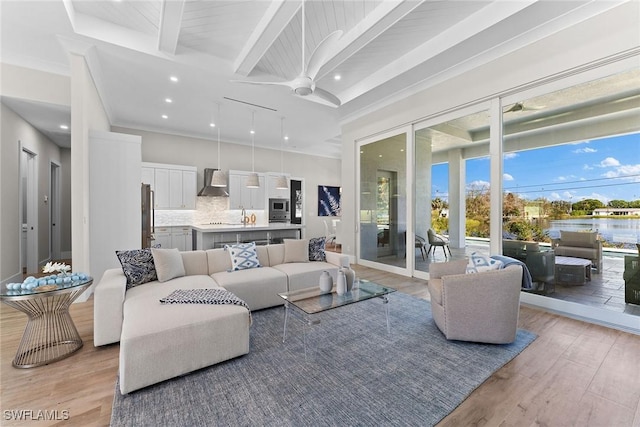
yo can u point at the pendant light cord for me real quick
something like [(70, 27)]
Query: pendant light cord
[(218, 126), (253, 132), (281, 145)]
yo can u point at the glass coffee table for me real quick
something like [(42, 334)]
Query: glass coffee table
[(50, 334), (305, 304)]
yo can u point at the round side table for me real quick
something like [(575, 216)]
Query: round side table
[(50, 334)]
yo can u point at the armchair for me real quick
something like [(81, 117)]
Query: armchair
[(479, 307), (580, 245)]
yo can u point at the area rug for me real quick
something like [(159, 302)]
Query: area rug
[(353, 373)]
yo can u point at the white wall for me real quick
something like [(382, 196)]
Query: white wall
[(600, 37), (87, 113), (202, 153)]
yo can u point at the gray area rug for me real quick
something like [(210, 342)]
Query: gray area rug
[(354, 374)]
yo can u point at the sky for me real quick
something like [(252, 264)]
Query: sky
[(604, 169)]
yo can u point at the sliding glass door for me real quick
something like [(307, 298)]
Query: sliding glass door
[(383, 202)]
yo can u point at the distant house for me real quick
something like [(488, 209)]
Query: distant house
[(616, 211)]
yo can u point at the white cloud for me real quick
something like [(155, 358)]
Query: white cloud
[(585, 150), (567, 194), (508, 156), (478, 184), (609, 162), (587, 168), (555, 196), (507, 177)]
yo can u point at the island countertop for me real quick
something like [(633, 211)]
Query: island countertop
[(208, 236), (221, 228)]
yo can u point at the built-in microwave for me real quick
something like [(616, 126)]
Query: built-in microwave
[(279, 210)]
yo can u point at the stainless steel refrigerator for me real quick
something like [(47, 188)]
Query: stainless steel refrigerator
[(148, 220)]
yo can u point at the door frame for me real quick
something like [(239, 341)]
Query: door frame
[(29, 202), (54, 212)]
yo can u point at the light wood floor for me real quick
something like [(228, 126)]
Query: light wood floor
[(573, 374)]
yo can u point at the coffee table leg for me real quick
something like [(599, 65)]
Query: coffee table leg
[(286, 317), (385, 301)]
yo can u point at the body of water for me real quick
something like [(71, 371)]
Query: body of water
[(618, 231)]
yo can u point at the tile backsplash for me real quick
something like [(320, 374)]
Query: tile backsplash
[(208, 210)]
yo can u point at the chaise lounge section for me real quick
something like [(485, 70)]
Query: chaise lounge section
[(161, 341)]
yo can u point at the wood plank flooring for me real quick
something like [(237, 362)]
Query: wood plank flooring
[(574, 374)]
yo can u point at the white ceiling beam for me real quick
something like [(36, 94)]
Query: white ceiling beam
[(367, 30), (274, 21), (170, 23), (463, 30)]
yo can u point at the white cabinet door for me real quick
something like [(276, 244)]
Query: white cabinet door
[(175, 189), (181, 238), (242, 197), (236, 185), (162, 190), (273, 192), (257, 198), (189, 189)]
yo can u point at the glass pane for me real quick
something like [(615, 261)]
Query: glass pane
[(383, 201), (571, 199)]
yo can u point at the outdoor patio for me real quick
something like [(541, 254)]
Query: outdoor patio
[(605, 290)]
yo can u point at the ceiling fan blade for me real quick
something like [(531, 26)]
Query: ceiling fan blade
[(319, 55), (326, 96), (288, 84)]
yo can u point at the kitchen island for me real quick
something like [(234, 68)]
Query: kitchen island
[(210, 236)]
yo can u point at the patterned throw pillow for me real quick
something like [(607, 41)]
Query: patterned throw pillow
[(316, 249), (479, 262), (243, 256), (138, 266)]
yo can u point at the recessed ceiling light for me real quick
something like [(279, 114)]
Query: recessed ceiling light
[(337, 77), (379, 155), (212, 125), (173, 79), (252, 132), (402, 150), (65, 127), (164, 116), (286, 138), (168, 100)]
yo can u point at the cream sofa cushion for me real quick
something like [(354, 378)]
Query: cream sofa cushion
[(168, 263)]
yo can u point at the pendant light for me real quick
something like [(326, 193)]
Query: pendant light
[(252, 179), (281, 182), (219, 178)]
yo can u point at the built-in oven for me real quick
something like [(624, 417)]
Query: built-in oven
[(279, 210)]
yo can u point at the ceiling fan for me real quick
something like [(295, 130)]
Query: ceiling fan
[(304, 84), (519, 106)]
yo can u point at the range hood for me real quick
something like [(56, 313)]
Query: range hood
[(210, 191)]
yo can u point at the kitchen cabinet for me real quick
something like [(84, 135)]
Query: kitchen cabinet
[(181, 238), (162, 237), (242, 197), (173, 237), (272, 191), (174, 186)]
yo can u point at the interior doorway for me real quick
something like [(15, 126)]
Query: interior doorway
[(29, 211), (54, 212)]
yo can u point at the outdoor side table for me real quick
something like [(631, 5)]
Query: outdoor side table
[(50, 334)]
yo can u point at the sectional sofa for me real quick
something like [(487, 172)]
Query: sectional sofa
[(161, 341)]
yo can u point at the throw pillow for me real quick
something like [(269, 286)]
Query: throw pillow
[(137, 266), (243, 256), (296, 250), (316, 249), (479, 262), (168, 263)]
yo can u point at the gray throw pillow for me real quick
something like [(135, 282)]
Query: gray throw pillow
[(168, 264)]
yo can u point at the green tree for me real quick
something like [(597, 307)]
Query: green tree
[(587, 205), (618, 204)]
